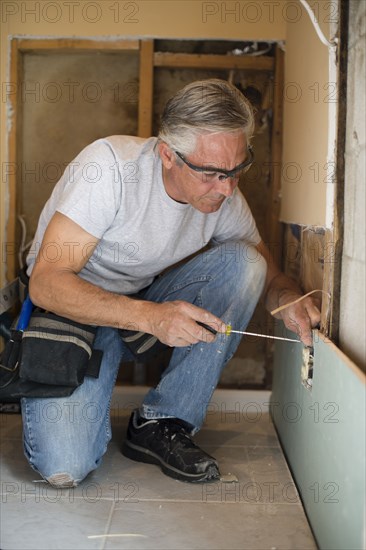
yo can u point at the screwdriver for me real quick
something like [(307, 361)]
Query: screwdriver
[(229, 331)]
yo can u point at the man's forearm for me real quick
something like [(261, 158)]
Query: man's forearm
[(70, 296)]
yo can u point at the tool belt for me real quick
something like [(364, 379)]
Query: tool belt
[(49, 358), (142, 345)]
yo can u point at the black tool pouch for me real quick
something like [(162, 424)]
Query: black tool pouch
[(9, 360), (49, 359), (141, 344)]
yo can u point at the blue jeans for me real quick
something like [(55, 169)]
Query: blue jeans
[(65, 438)]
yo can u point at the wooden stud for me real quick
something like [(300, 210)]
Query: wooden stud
[(275, 229), (70, 45), (211, 61), (146, 88), (13, 159), (333, 247)]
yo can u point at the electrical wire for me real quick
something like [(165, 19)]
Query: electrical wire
[(255, 52), (315, 22), (278, 309)]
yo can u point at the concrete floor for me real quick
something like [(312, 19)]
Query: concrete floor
[(128, 505)]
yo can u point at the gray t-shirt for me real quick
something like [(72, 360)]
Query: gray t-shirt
[(114, 190)]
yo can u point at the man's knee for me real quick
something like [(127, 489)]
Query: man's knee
[(61, 470), (256, 267), (245, 265), (62, 479), (237, 256), (65, 475)]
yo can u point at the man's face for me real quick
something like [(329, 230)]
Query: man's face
[(205, 191)]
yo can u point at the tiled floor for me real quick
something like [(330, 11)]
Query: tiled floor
[(128, 505)]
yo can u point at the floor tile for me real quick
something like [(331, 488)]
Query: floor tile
[(238, 429), (129, 505), (13, 464), (176, 526), (44, 519)]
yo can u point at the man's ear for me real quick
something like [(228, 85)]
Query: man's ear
[(166, 154)]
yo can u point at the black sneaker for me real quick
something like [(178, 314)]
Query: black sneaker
[(166, 442)]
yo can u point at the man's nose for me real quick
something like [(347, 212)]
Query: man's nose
[(226, 186)]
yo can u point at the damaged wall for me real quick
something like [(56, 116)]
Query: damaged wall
[(304, 255), (306, 251)]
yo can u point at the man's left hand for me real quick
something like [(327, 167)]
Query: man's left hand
[(301, 317)]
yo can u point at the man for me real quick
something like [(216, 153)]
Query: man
[(112, 233)]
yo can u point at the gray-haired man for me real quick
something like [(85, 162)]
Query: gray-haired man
[(132, 209)]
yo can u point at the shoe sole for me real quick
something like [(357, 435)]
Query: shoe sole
[(140, 454)]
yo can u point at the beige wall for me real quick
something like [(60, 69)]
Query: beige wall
[(308, 96)]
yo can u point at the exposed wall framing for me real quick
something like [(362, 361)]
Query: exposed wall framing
[(268, 69), (146, 89), (19, 47), (148, 61), (211, 61)]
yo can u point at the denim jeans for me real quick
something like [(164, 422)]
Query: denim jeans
[(65, 438)]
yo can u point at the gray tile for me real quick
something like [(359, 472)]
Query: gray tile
[(238, 428), (14, 467), (125, 480), (151, 510), (121, 479), (119, 476), (269, 472), (46, 520), (154, 525), (266, 461)]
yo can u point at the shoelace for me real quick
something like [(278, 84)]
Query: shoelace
[(173, 428)]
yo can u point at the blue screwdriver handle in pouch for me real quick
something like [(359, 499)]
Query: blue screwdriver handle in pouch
[(25, 314), (9, 359)]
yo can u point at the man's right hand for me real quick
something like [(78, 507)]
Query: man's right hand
[(175, 323)]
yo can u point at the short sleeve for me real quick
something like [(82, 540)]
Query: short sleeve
[(92, 189)]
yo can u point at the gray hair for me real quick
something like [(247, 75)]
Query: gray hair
[(204, 106)]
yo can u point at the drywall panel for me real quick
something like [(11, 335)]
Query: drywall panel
[(307, 95), (322, 431)]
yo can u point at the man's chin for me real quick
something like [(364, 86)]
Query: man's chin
[(211, 206)]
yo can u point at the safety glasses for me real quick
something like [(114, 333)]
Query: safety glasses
[(212, 173)]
